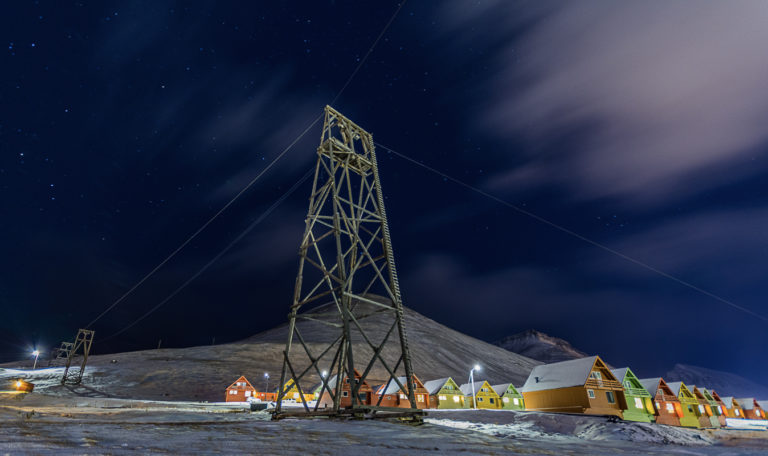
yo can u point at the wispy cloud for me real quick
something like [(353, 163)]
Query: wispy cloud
[(641, 101)]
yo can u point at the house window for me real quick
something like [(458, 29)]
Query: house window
[(442, 398), (638, 403), (627, 385), (344, 393), (690, 409), (591, 394), (490, 399), (736, 411), (295, 395), (505, 399), (516, 401), (479, 399), (610, 396), (701, 409), (420, 397), (402, 396), (247, 394), (596, 375), (719, 410), (670, 408), (232, 392), (455, 398)]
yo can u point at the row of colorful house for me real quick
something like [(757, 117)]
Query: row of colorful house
[(585, 385)]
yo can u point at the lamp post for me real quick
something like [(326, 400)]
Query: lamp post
[(266, 382), (472, 381), (35, 353)]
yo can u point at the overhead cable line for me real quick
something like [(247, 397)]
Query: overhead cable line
[(218, 256), (253, 181), (575, 234)]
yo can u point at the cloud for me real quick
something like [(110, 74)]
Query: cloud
[(631, 100)]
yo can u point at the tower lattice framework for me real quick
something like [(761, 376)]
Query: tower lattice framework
[(346, 265)]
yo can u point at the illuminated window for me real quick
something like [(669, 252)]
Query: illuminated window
[(402, 396), (515, 401), (719, 410), (670, 408), (736, 411), (442, 398), (247, 394), (638, 403), (455, 398), (701, 409), (295, 395), (591, 394), (505, 399)]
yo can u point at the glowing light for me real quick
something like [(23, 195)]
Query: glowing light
[(18, 384), (477, 367), (36, 353)]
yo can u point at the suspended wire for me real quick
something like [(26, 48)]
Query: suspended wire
[(575, 234), (253, 181), (218, 256)]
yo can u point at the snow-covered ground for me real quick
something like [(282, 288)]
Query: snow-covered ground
[(83, 420)]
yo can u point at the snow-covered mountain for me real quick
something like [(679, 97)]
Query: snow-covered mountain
[(203, 373), (725, 383), (539, 346)]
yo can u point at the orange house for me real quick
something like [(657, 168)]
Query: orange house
[(240, 391), (364, 392), (668, 407), (392, 396), (734, 407), (752, 410)]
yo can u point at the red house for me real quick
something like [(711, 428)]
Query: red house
[(394, 397), (240, 391), (364, 392), (752, 410)]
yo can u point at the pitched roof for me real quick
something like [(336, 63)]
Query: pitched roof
[(651, 385), (241, 379), (433, 386), (466, 389), (747, 403), (620, 373), (763, 404), (728, 401), (559, 375), (676, 387), (391, 386), (501, 389)]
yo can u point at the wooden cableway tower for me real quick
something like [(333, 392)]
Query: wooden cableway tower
[(346, 259)]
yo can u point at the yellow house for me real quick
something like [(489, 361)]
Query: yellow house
[(485, 396), (292, 392)]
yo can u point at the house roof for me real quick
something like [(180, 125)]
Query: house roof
[(433, 386), (391, 387), (728, 401), (651, 385), (501, 389), (763, 404), (747, 403), (620, 373), (676, 387), (559, 375), (241, 379), (466, 389)]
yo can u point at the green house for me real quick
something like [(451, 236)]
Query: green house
[(444, 393), (510, 398), (639, 402), (689, 404), (714, 411)]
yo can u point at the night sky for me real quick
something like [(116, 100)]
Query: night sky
[(124, 126)]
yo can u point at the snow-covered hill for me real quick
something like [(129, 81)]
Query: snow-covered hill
[(539, 346), (203, 373), (725, 383)]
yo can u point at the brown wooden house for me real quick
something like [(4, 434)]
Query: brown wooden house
[(668, 407), (240, 391), (752, 410), (584, 385), (392, 396), (364, 392)]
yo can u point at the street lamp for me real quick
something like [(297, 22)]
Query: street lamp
[(266, 381), (472, 381), (35, 353)]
